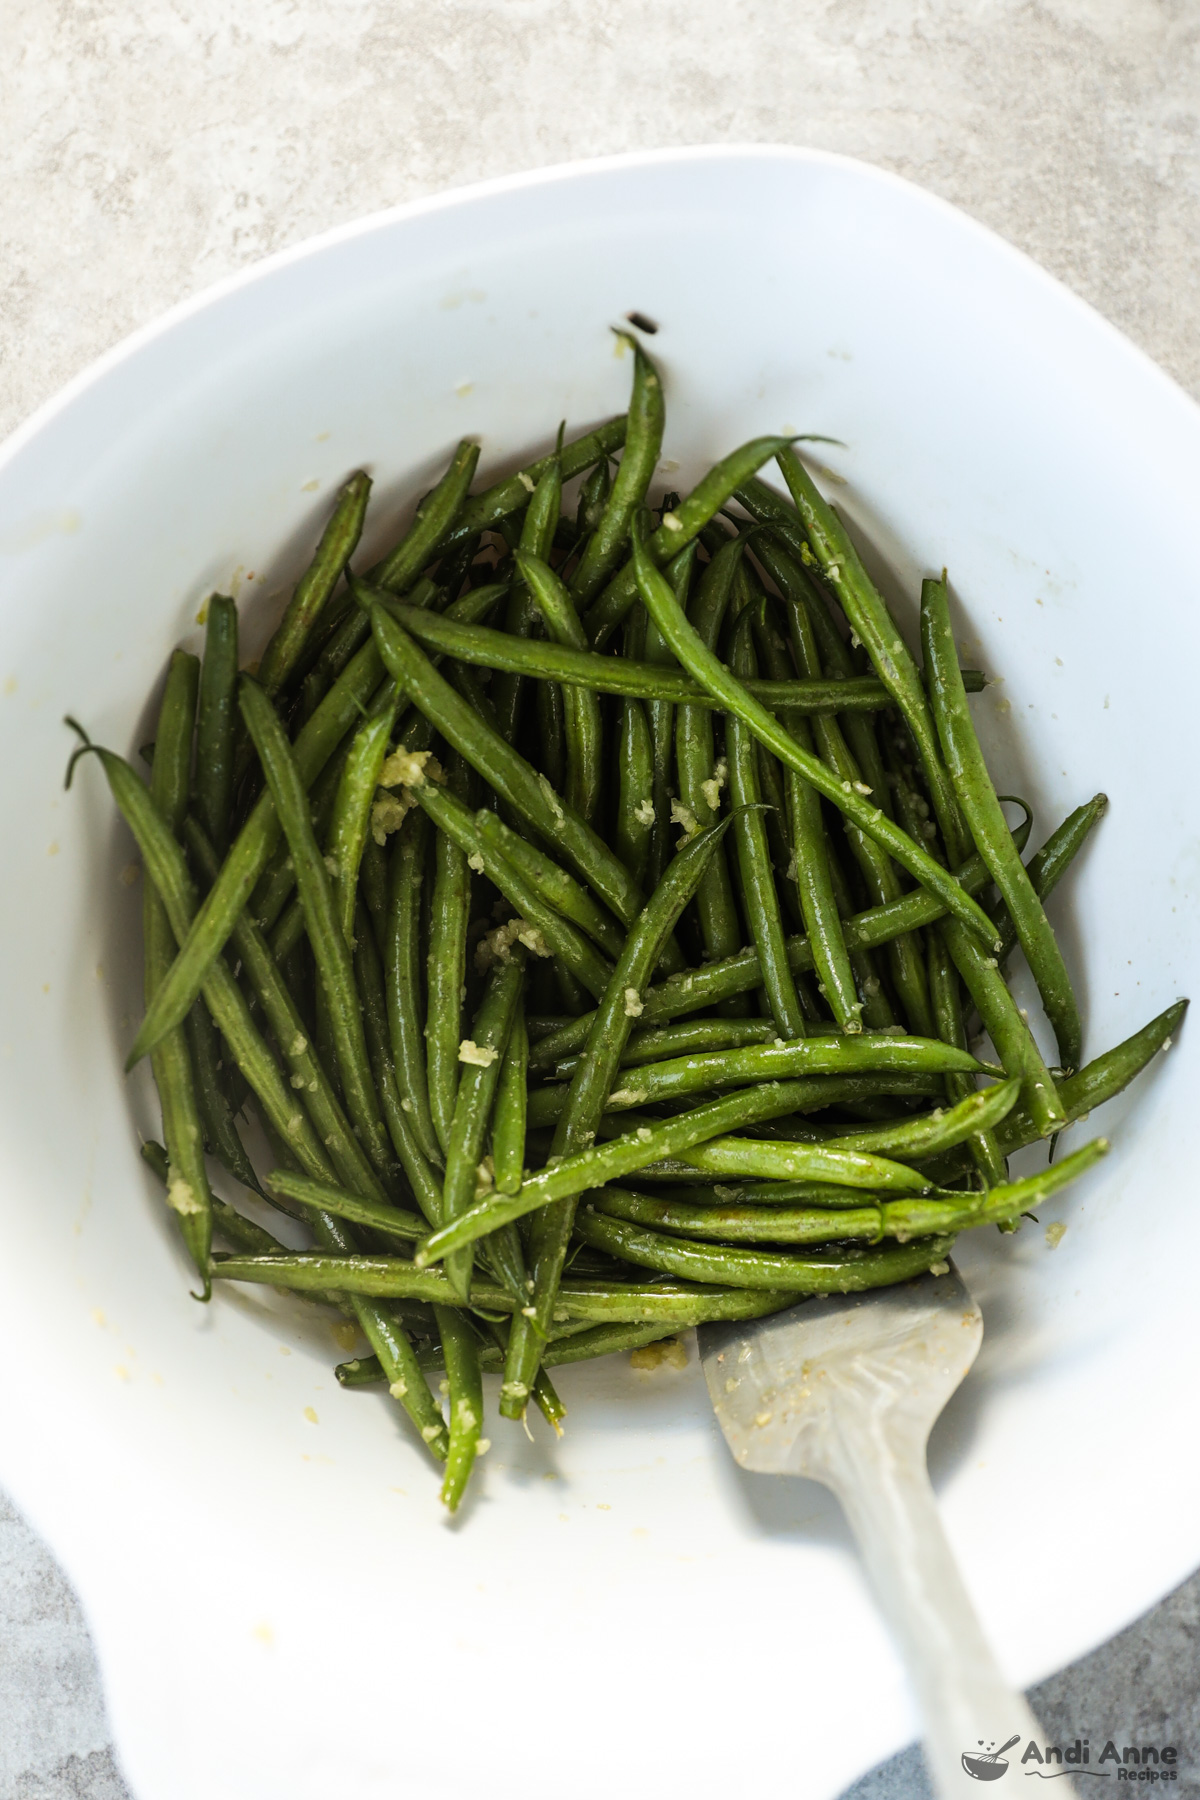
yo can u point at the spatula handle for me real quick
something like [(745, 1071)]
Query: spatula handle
[(969, 1708)]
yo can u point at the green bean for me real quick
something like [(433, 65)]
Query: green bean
[(981, 808), (420, 1173), (510, 775), (486, 648), (188, 1192), (796, 583), (673, 1040), (544, 1394), (905, 961), (446, 964), (1095, 1083), (678, 1304), (471, 608), (240, 1231), (1002, 1205), (455, 566), (770, 1160), (841, 1271), (276, 885), (635, 816), (699, 988), (408, 860), (701, 777), (1051, 863), (216, 720), (862, 1053), (678, 528), (556, 887), (767, 507), (758, 893), (485, 510), (731, 1224), (406, 1383), (580, 1346), (335, 658), (373, 885), (311, 593), (586, 1098), (461, 1348), (521, 616), (619, 1157), (558, 936), (944, 994), (810, 867), (480, 1056), (368, 1277), (248, 857), (867, 612), (813, 1094), (508, 1116), (551, 760), (355, 797), (594, 490), (584, 733), (1009, 1032), (660, 716), (331, 950), (928, 1134), (167, 869), (435, 518), (755, 1198), (643, 447), (778, 822), (393, 1221), (704, 667), (220, 1133), (308, 1076), (901, 1219), (1009, 1200), (388, 1277)]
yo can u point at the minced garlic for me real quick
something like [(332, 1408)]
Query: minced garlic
[(181, 1197), (408, 768), (388, 814), (653, 1356)]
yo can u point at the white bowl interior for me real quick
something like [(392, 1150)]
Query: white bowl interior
[(279, 1605)]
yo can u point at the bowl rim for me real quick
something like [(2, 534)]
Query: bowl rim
[(552, 174)]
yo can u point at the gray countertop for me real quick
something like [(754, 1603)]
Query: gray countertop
[(151, 149)]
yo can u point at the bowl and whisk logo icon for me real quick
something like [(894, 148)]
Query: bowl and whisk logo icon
[(987, 1763)]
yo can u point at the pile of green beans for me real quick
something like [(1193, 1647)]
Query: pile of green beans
[(587, 839)]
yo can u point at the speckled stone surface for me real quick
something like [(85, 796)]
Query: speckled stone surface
[(150, 148)]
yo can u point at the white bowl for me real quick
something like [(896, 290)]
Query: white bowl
[(279, 1606)]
